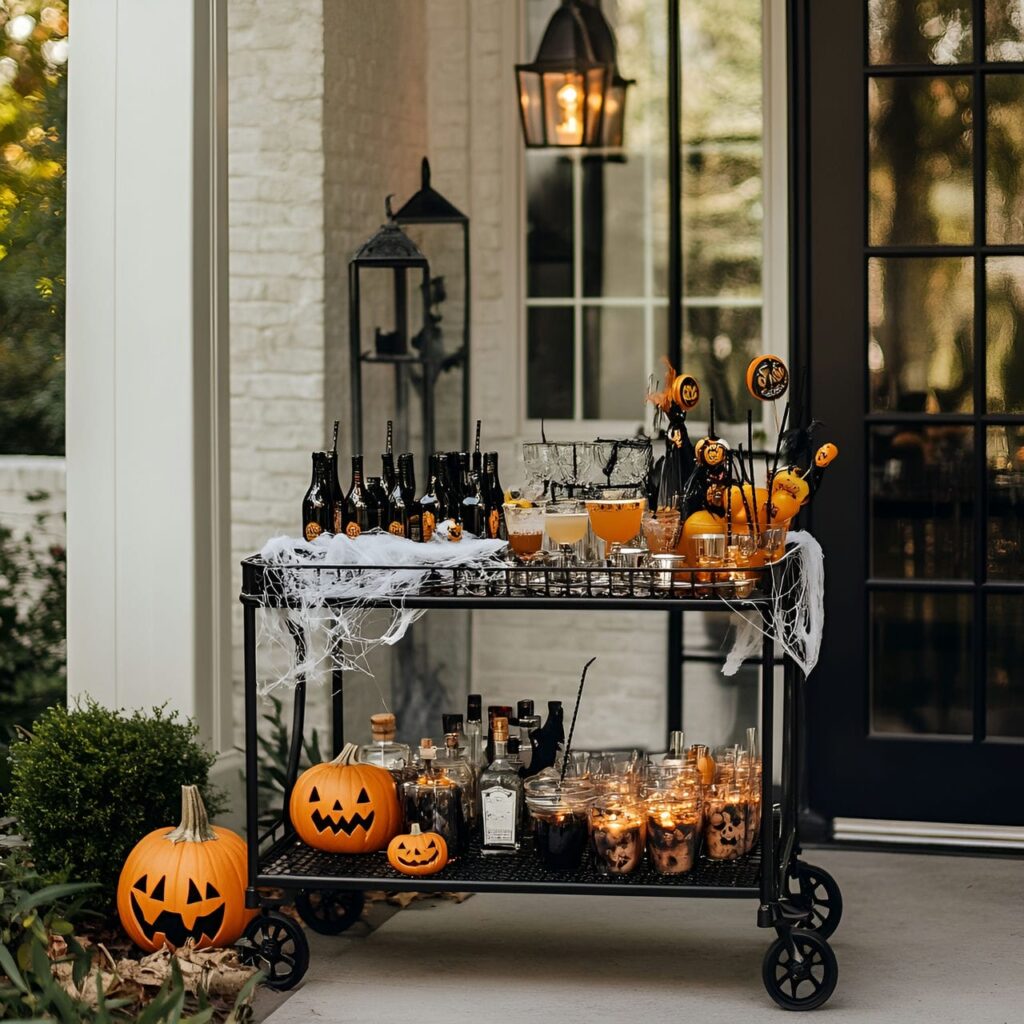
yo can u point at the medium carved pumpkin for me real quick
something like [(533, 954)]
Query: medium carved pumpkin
[(344, 806), (418, 853), (185, 883)]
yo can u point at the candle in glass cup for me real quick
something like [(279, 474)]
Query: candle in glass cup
[(673, 823), (617, 834), (560, 838), (725, 822)]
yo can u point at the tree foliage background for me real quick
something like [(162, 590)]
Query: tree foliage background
[(33, 116)]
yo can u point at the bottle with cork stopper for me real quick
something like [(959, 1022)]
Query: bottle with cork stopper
[(383, 750), (436, 802), (501, 797)]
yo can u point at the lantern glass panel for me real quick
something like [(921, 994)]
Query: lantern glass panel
[(564, 108), (531, 106), (614, 115), (596, 79)]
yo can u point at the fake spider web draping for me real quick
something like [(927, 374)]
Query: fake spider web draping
[(797, 615), (344, 637)]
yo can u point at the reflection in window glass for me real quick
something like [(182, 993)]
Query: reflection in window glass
[(613, 225), (1004, 159), (919, 32), (921, 663), (920, 349), (1005, 654), (718, 344), (1005, 496), (549, 234), (614, 385), (922, 502), (549, 362), (1004, 30), (1004, 323), (920, 152)]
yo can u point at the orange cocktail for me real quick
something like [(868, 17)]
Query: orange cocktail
[(616, 520)]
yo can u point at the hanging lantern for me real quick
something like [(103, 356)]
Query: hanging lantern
[(602, 42), (562, 93)]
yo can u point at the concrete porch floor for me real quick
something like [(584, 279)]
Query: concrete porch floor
[(923, 938)]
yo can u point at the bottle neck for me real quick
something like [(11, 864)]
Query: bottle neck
[(357, 471), (321, 468), (500, 750)]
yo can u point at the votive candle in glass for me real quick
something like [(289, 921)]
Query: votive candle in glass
[(617, 834)]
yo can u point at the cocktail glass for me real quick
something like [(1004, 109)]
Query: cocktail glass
[(565, 522), (663, 531), (616, 521), (525, 528)]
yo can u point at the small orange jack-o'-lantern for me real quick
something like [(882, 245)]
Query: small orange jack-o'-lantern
[(494, 523), (429, 525), (685, 391), (396, 529), (825, 454), (454, 530), (767, 378), (711, 451), (789, 481), (185, 883), (418, 853), (352, 530), (344, 806), (313, 531)]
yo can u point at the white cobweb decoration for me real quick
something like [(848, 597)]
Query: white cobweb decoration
[(797, 616), (343, 637)]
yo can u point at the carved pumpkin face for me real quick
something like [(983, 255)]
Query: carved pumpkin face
[(352, 530), (825, 454), (418, 853), (185, 883), (429, 522), (767, 378), (454, 531), (711, 451), (685, 391), (789, 481), (344, 806), (312, 531)]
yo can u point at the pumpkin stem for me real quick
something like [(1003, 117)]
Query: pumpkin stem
[(349, 755), (415, 830), (195, 824)]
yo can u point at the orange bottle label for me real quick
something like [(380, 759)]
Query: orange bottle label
[(313, 531), (353, 530), (428, 525), (397, 529)]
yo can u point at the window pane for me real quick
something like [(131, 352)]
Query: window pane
[(1004, 31), (549, 363), (613, 228), (1004, 321), (920, 350), (1004, 156), (925, 32), (921, 663), (920, 143), (549, 225), (1005, 652), (1005, 542), (613, 363), (722, 148), (718, 344), (723, 216), (922, 502)]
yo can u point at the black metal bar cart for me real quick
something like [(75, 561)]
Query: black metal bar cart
[(801, 902)]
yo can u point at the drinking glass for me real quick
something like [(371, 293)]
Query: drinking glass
[(710, 554), (663, 531), (525, 527), (773, 543), (565, 522), (616, 521)]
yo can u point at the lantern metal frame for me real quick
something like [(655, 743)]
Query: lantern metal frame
[(428, 207), (391, 249)]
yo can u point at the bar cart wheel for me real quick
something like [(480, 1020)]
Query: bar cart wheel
[(813, 889), (800, 970), (277, 946), (330, 911)]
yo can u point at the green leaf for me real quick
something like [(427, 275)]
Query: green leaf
[(10, 968), (61, 927), (51, 894)]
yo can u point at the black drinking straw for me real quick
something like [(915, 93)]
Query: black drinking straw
[(572, 724), (711, 420), (334, 439), (778, 445), (477, 448), (750, 455), (388, 449)]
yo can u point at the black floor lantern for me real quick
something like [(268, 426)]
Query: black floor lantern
[(392, 251), (429, 208)]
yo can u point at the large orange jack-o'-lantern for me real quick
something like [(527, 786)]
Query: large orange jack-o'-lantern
[(344, 806), (185, 883)]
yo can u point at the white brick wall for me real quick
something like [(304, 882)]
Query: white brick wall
[(25, 476)]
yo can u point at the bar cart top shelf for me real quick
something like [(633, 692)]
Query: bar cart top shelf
[(274, 585)]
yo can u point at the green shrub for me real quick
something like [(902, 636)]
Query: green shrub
[(88, 783)]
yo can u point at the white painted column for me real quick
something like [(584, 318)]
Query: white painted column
[(146, 374)]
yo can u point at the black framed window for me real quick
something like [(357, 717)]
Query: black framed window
[(944, 362)]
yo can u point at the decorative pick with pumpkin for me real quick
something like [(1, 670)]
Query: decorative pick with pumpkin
[(418, 853), (345, 806), (185, 883)]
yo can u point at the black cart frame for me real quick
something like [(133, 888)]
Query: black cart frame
[(801, 902)]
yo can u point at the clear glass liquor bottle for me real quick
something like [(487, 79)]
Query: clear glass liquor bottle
[(475, 731), (501, 798), (383, 750), (455, 766)]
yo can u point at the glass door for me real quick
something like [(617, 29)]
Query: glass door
[(910, 121)]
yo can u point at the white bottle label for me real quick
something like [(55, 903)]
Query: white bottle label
[(499, 814)]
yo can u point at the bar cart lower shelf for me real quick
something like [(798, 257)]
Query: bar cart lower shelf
[(800, 902)]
